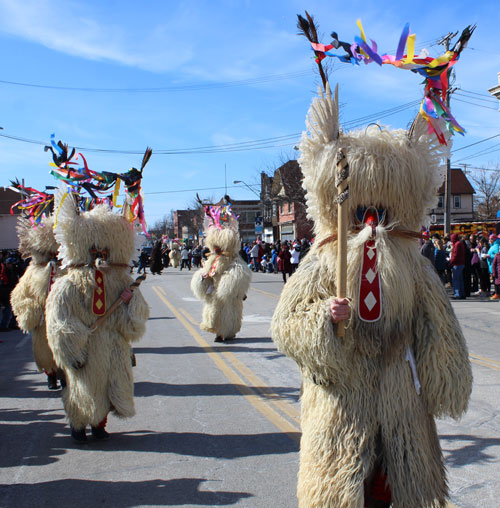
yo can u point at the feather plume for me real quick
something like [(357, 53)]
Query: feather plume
[(147, 156), (307, 28), (461, 44)]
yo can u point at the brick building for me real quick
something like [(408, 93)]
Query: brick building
[(8, 222), (188, 224), (288, 196)]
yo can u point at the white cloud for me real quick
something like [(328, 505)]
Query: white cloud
[(68, 27)]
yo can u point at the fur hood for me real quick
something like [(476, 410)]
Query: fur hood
[(99, 228), (390, 169), (227, 240), (38, 242)]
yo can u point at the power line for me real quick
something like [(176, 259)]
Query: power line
[(192, 190), (476, 93), (475, 104), (476, 143), (172, 88), (259, 144), (470, 96), (486, 151)]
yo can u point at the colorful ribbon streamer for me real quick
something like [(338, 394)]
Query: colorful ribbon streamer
[(434, 70)]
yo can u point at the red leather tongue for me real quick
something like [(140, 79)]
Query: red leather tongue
[(370, 295)]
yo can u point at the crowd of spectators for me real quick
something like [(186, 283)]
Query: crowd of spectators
[(468, 264), (277, 257), (12, 268)]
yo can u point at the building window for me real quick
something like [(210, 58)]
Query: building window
[(290, 207), (456, 202), (441, 202), (282, 207)]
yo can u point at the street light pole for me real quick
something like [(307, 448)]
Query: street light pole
[(246, 185)]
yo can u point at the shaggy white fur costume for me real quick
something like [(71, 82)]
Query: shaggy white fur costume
[(29, 296), (223, 292), (175, 255), (105, 381), (359, 390)]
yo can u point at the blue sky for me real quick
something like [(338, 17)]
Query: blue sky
[(194, 52)]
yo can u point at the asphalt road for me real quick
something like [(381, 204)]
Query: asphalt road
[(216, 425)]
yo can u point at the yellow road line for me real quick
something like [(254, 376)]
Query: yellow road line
[(257, 383), (484, 364), (267, 293), (236, 380), (484, 359)]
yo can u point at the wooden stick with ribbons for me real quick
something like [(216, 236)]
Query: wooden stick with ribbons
[(118, 302), (342, 184)]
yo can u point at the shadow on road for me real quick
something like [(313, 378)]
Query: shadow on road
[(149, 389), (472, 453), (31, 444), (85, 493), (197, 444), (184, 350), (161, 317)]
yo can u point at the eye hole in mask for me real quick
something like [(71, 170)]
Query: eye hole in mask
[(99, 253), (361, 212)]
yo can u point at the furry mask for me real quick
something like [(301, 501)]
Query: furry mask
[(98, 237), (392, 170), (37, 241)]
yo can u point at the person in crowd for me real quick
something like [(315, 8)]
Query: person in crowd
[(484, 277), (243, 253), (457, 262), (493, 250), (185, 258), (440, 259), (295, 256), (467, 273), (165, 256), (8, 279), (448, 245), (155, 263), (205, 252), (196, 256), (274, 259), (254, 257), (428, 247), (143, 261), (495, 267), (264, 263), (284, 261), (304, 248), (474, 264)]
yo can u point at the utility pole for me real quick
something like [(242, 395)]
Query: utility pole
[(445, 41)]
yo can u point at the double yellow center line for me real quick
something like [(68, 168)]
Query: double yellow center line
[(282, 414)]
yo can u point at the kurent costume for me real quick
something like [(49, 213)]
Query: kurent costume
[(369, 399), (92, 313), (371, 391), (96, 248), (223, 282), (28, 298), (175, 255)]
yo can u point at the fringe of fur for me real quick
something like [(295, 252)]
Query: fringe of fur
[(105, 382)]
